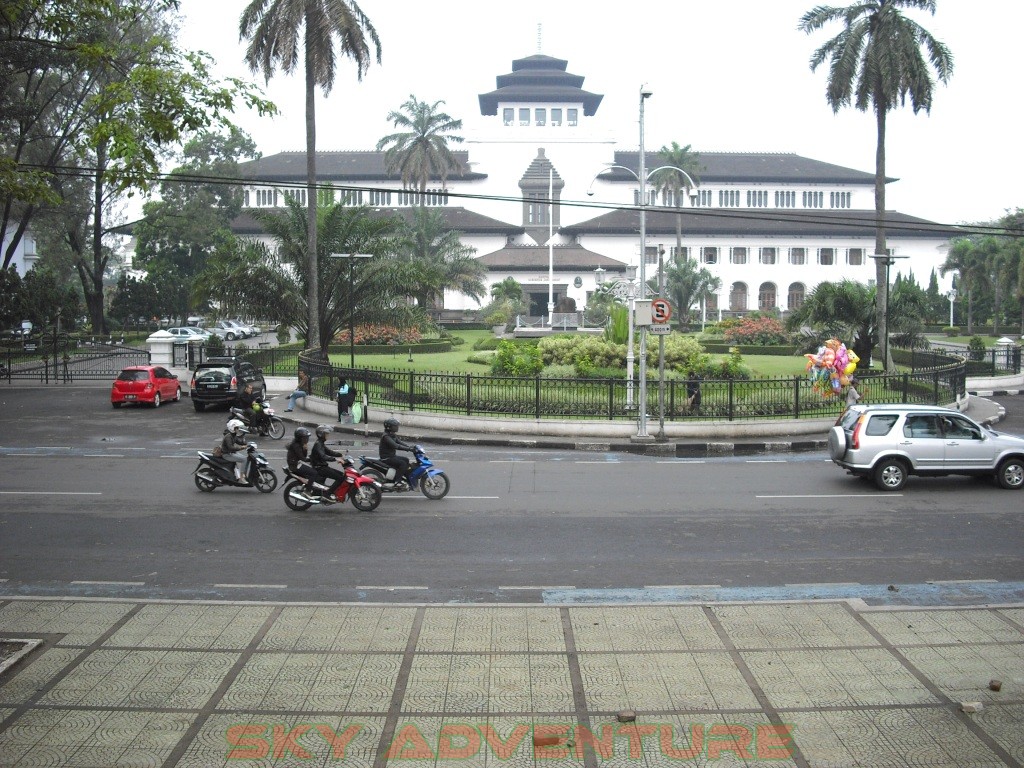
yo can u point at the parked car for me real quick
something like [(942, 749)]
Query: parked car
[(187, 333), (227, 331), (220, 380), (887, 443), (251, 329), (151, 384)]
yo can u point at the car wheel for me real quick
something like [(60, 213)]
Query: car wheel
[(177, 393), (891, 474), (1010, 473), (115, 405), (199, 406), (156, 400), (230, 336)]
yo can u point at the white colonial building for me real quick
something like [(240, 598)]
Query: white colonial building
[(546, 197)]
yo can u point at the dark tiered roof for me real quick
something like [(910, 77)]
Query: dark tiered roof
[(542, 79), (459, 219), (523, 258), (337, 166), (752, 221), (752, 167)]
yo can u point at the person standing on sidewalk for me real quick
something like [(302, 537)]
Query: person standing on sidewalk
[(852, 395)]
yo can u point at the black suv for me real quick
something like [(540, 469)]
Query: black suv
[(220, 380)]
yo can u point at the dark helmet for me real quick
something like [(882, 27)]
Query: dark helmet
[(391, 426), (323, 431), (302, 434)]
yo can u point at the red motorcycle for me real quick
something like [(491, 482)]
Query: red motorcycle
[(364, 491)]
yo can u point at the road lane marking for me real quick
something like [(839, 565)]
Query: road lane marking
[(766, 461), (681, 461), (103, 455), (682, 586), (882, 494), (541, 587), (51, 493), (962, 581), (389, 589), (251, 586), (799, 584), (114, 583)]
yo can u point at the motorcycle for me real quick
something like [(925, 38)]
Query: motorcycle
[(363, 490), (265, 423), (432, 482), (214, 471)]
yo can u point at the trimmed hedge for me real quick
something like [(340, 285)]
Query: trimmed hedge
[(779, 350)]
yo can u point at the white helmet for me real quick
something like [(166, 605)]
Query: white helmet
[(235, 424)]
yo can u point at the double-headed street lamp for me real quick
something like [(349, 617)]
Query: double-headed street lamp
[(351, 301), (624, 289), (642, 176)]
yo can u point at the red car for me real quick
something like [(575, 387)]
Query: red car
[(144, 384)]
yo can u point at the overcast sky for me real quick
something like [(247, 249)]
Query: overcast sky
[(726, 77)]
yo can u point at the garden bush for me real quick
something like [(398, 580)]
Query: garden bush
[(517, 359), (757, 330), (976, 348)]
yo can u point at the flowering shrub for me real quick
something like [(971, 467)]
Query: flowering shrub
[(756, 330), (516, 359), (380, 334)]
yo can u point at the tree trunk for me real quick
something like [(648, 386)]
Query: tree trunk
[(313, 340), (881, 268), (970, 312)]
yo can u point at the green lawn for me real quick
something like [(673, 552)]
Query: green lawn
[(456, 360)]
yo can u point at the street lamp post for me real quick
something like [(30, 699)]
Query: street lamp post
[(952, 297), (351, 301), (888, 259), (624, 289)]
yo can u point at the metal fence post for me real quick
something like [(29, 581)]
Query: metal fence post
[(412, 390), (469, 394), (611, 398), (906, 387), (796, 397), (732, 404), (536, 396)]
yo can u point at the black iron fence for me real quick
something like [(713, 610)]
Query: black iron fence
[(539, 397), (57, 364)]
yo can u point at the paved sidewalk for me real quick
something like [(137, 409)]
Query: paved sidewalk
[(217, 684)]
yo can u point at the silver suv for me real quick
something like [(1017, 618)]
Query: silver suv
[(890, 442)]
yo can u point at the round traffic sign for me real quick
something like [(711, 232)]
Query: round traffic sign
[(661, 311)]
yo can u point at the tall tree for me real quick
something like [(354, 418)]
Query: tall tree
[(247, 274), (421, 151), (876, 62), (432, 259), (967, 259), (283, 32), (669, 181), (844, 310)]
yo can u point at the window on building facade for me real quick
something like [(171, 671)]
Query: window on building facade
[(325, 196), (826, 256), (709, 254), (785, 199), (738, 255), (766, 296), (768, 255), (352, 197), (795, 299), (679, 254), (556, 115), (704, 198), (571, 116), (524, 115), (297, 195), (757, 198), (839, 199), (245, 199), (855, 257), (508, 115), (537, 212), (380, 197), (798, 256), (738, 297), (540, 116), (728, 198), (813, 199)]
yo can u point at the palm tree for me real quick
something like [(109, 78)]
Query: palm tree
[(421, 150), (669, 181), (966, 258), (432, 259), (273, 28), (845, 310), (877, 62), (686, 284)]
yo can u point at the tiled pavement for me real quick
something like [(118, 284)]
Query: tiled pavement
[(259, 684)]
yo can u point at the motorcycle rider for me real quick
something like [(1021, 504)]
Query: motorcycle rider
[(251, 406), (298, 456), (390, 444), (234, 447), (320, 457)]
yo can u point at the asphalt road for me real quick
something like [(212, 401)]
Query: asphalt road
[(100, 501)]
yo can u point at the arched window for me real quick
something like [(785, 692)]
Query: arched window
[(796, 296), (766, 296), (738, 297)]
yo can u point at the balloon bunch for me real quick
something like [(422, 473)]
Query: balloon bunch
[(831, 367)]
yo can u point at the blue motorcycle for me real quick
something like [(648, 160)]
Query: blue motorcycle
[(422, 474)]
